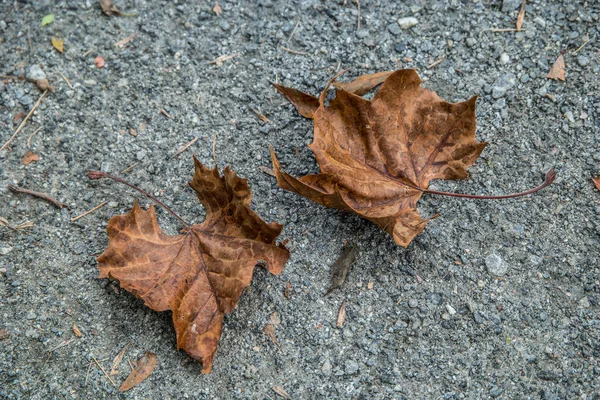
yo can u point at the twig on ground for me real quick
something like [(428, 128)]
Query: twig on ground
[(32, 135), (40, 195), (87, 52), (433, 64), (129, 168), (293, 31), (300, 53), (184, 147), (62, 344), (103, 371), (581, 47), (24, 121), (504, 30), (88, 212), (65, 78), (358, 17)]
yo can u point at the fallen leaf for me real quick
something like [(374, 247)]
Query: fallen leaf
[(341, 315), (18, 116), (303, 102), (199, 274), (4, 335), (281, 392), (29, 157), (123, 42), (377, 157), (363, 84), (370, 285), (340, 268), (114, 369), (143, 369), (262, 117), (217, 9), (597, 182), (58, 43), (269, 330), (109, 8), (288, 287), (77, 331), (99, 61), (48, 19), (521, 16), (558, 69), (266, 170)]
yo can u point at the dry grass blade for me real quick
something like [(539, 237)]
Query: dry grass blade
[(117, 361), (123, 42), (184, 147), (433, 64), (260, 116), (281, 392), (341, 318), (109, 8), (521, 16), (104, 371), (88, 212), (143, 369), (220, 60), (5, 145), (300, 53)]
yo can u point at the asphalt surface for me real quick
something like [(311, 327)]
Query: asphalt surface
[(495, 299)]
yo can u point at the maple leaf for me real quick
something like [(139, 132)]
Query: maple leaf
[(199, 274), (377, 157)]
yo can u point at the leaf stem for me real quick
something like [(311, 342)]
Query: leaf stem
[(100, 175), (550, 176)]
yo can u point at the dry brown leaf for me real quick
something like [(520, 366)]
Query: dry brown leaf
[(99, 62), (377, 157), (43, 84), (340, 268), (77, 331), (58, 43), (288, 288), (597, 182), (304, 103), (363, 84), (199, 274), (370, 285), (341, 315), (143, 369), (4, 335), (558, 69), (114, 369), (281, 392), (29, 157), (269, 330), (217, 9), (521, 16), (109, 8)]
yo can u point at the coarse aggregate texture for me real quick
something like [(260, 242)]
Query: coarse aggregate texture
[(438, 322)]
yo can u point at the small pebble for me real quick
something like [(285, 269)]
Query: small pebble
[(407, 22), (413, 303), (450, 309), (495, 265), (225, 25), (583, 61), (394, 29), (2, 25), (584, 302), (351, 367), (504, 59), (35, 73)]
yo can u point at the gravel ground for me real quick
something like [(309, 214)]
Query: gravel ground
[(494, 300)]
